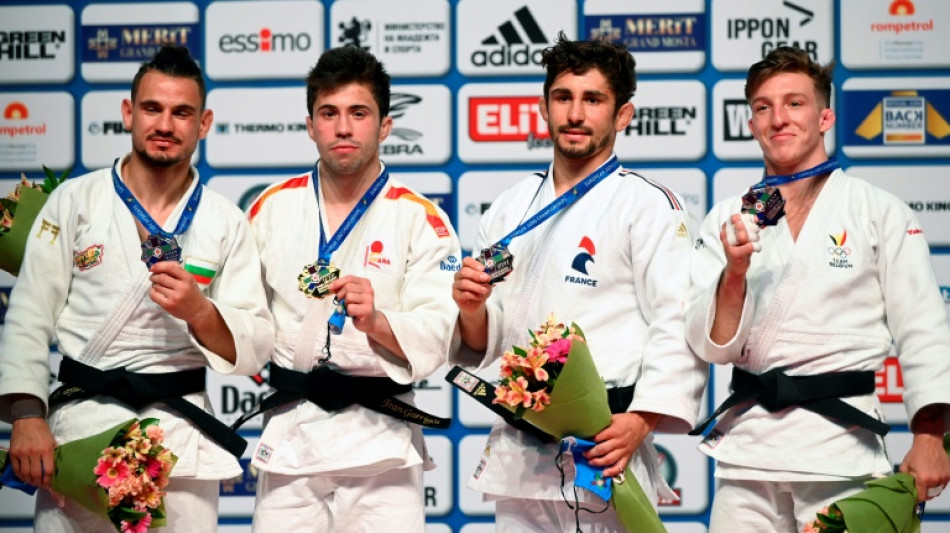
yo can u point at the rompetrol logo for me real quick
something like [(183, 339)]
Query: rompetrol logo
[(16, 111), (518, 42), (901, 7), (264, 40)]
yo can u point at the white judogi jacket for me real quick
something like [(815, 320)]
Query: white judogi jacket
[(616, 262), (406, 247), (857, 278), (82, 260)]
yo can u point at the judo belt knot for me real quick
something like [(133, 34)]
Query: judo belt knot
[(333, 391), (133, 389), (775, 390), (137, 390)]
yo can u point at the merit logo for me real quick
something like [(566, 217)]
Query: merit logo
[(737, 114), (517, 42)]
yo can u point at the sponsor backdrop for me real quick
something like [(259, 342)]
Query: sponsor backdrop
[(466, 79)]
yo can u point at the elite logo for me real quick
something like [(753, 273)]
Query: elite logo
[(517, 42)]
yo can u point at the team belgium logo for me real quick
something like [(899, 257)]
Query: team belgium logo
[(88, 258), (838, 252)]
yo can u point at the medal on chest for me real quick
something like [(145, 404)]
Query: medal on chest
[(765, 203), (158, 248), (498, 262), (315, 279)]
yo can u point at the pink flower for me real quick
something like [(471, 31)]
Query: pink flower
[(534, 362), (541, 400), (153, 466), (155, 434), (110, 472), (141, 526), (518, 393), (558, 350), (812, 527)]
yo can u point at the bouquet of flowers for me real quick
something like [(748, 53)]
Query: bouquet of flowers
[(18, 210), (119, 474), (554, 385), (887, 505)]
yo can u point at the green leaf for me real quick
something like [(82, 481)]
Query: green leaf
[(52, 181)]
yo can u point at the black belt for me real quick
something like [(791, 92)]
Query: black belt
[(619, 399), (333, 391), (136, 390), (774, 390)]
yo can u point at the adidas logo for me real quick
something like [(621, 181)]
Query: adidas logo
[(514, 48)]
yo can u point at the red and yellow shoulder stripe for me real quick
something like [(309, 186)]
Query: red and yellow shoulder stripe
[(432, 215), (292, 183)]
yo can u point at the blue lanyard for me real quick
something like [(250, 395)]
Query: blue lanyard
[(327, 248), (775, 181), (564, 200), (140, 214)]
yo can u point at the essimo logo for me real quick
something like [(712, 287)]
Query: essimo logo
[(517, 42), (264, 40)]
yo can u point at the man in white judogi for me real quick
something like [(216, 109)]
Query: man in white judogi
[(83, 280), (332, 457), (616, 262), (813, 300)]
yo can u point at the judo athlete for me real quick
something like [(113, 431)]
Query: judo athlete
[(616, 262), (355, 270), (136, 338), (803, 285)]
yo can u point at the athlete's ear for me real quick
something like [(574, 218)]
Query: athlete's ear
[(826, 119), (385, 127), (543, 107), (624, 116)]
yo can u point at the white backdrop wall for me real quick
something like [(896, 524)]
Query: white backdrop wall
[(466, 84)]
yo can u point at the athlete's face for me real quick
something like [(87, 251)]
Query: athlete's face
[(166, 119), (579, 110), (347, 128), (789, 121)]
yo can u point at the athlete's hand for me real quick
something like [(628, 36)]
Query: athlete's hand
[(617, 442), (740, 239), (928, 462), (31, 451), (177, 292), (359, 299), (471, 288)]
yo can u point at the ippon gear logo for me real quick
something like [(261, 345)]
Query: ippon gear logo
[(264, 40), (517, 42)]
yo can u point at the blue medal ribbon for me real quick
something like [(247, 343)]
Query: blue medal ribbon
[(140, 214), (326, 248), (564, 200), (774, 181)]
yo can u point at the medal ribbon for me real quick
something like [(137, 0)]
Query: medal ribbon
[(328, 247), (564, 200), (140, 214), (775, 181)]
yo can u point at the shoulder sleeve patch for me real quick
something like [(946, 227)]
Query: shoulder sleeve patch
[(292, 183), (432, 215)]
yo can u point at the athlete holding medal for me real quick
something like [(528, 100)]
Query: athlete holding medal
[(805, 324), (136, 338), (352, 264), (600, 246)]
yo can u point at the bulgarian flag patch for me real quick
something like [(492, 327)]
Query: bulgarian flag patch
[(202, 270)]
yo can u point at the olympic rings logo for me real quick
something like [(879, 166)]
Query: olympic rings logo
[(839, 251)]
